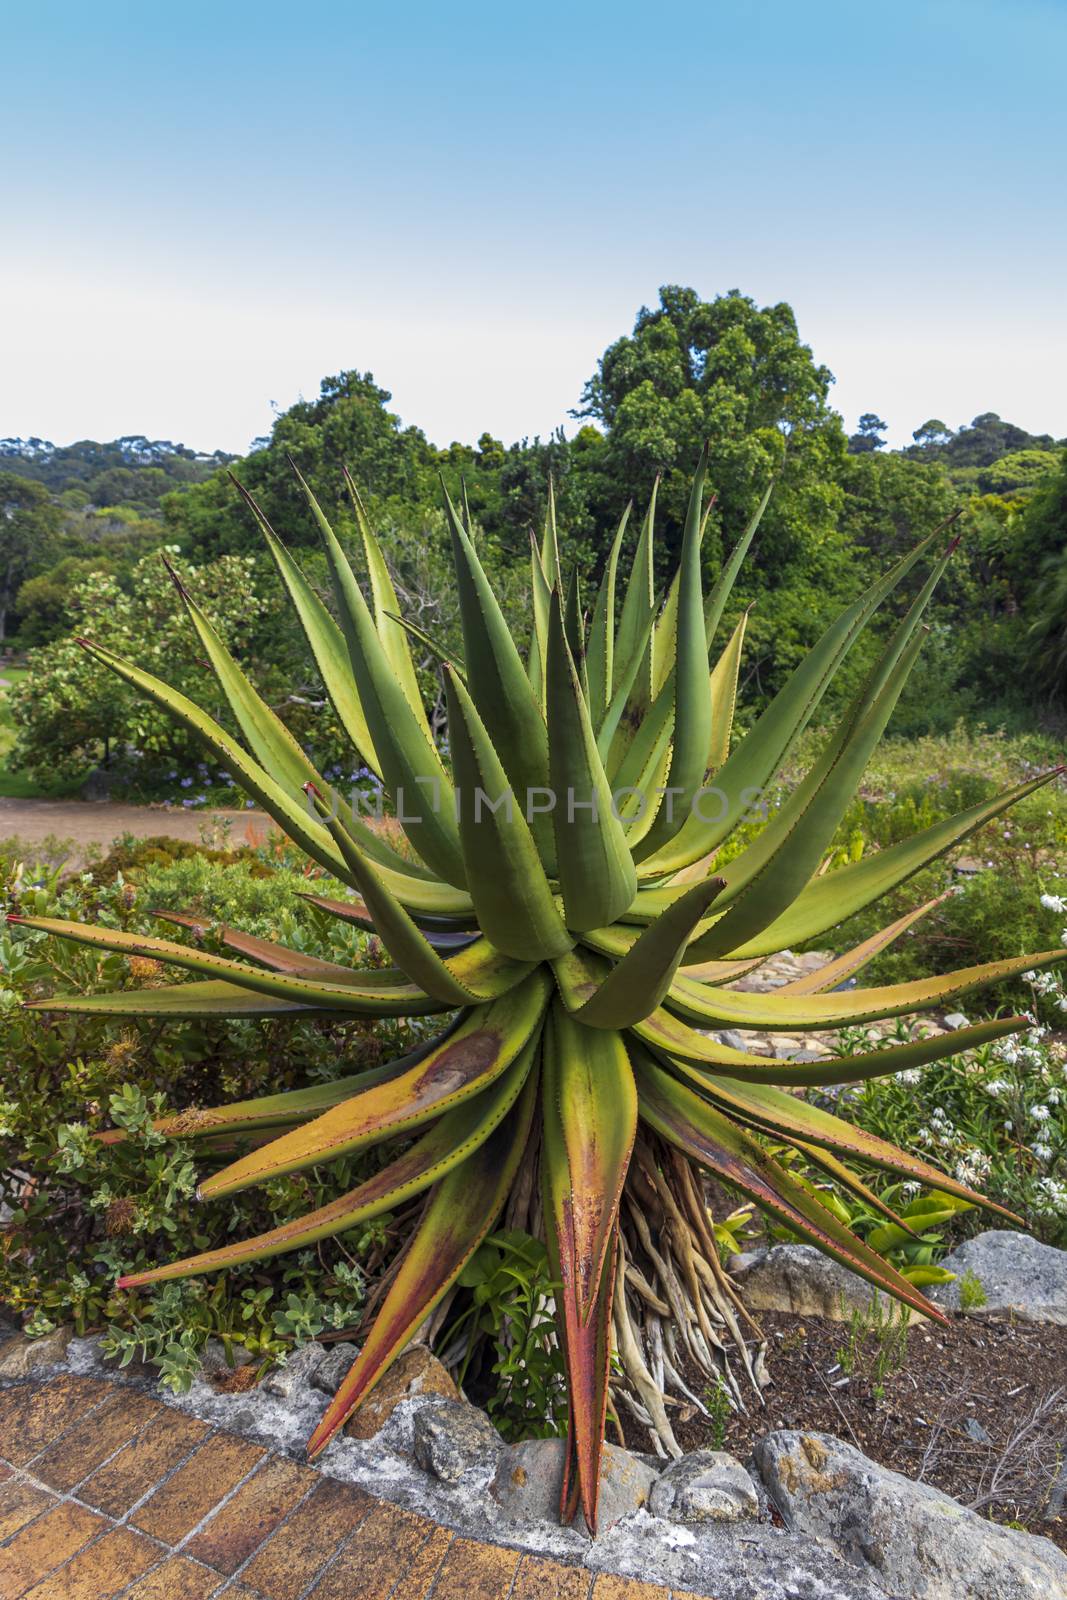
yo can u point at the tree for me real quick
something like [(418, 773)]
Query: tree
[(29, 525), (931, 433), (736, 375), (349, 424), (871, 428), (70, 713)]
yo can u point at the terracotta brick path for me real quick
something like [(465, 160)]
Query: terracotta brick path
[(105, 1492)]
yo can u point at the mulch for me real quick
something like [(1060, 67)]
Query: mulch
[(972, 1409)]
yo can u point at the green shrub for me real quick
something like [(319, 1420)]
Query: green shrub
[(995, 1117), (996, 909), (93, 1210)]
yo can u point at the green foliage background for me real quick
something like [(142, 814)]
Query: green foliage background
[(81, 526)]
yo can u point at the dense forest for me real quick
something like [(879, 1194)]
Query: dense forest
[(82, 526)]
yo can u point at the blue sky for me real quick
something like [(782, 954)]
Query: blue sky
[(206, 208)]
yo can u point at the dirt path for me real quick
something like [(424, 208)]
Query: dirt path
[(89, 822)]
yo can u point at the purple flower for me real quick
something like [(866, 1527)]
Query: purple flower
[(187, 783)]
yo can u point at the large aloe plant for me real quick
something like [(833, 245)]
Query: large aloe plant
[(561, 905)]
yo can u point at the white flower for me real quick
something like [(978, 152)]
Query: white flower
[(1040, 1113), (997, 1086), (1054, 902), (1063, 937), (1043, 1152), (910, 1075)]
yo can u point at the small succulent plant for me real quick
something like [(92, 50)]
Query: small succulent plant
[(561, 908)]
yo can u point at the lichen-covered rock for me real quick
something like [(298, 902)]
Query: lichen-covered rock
[(21, 1355), (1017, 1274), (452, 1438), (330, 1372), (704, 1486), (915, 1541), (415, 1372), (800, 1279), (529, 1478), (730, 1560), (297, 1373)]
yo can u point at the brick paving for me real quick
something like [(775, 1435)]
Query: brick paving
[(107, 1494)]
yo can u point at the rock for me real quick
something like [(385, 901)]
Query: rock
[(705, 1486), (1017, 1274), (22, 1355), (914, 1540), (955, 1019), (974, 1430), (287, 1382), (415, 1372), (799, 1278), (528, 1480), (329, 1375), (730, 1560), (452, 1438), (213, 1361), (732, 1040)]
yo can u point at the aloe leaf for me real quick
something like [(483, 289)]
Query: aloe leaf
[(291, 817), (637, 984), (178, 1002), (722, 686), (752, 765), (324, 637), (638, 605), (767, 877), (692, 700), (715, 603), (574, 627), (410, 765), (412, 951), (703, 1133), (596, 872), (831, 898), (588, 1128), (497, 680), (468, 1061), (550, 542), (444, 932), (276, 956), (781, 1115), (620, 703), (589, 1087), (384, 993), (540, 592), (386, 606), (600, 654), (844, 1176), (845, 966), (462, 1209), (262, 729), (436, 647), (515, 905), (445, 1145), (675, 1041), (731, 1008)]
